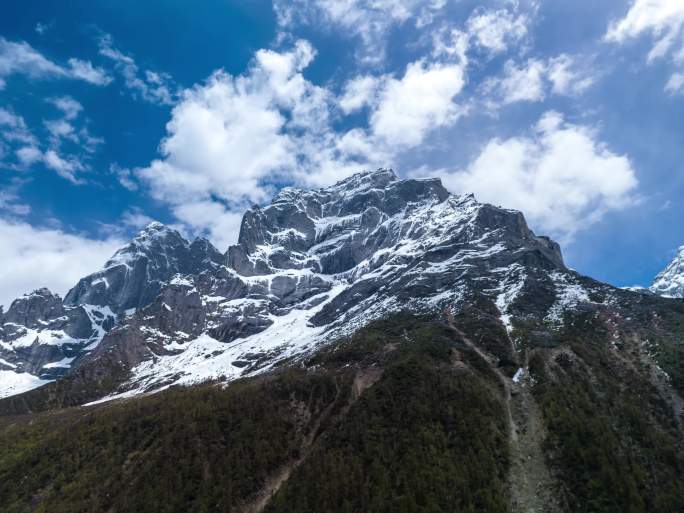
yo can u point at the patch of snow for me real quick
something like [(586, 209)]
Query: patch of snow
[(185, 281), (12, 383), (510, 288), (42, 337), (205, 358), (7, 364), (64, 363), (102, 279), (569, 294), (519, 375)]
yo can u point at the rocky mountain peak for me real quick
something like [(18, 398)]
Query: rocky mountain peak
[(301, 226), (34, 307), (311, 265), (135, 274), (670, 282)]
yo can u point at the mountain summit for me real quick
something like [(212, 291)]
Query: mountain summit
[(378, 331), (308, 268), (311, 265)]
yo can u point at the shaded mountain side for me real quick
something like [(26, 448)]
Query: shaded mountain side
[(408, 414), (137, 272)]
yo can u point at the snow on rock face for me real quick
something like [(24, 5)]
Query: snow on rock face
[(12, 382), (311, 266), (40, 337), (136, 273), (670, 282), (314, 265)]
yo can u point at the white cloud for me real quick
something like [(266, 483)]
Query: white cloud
[(231, 139), (13, 128), (9, 201), (370, 21), (21, 58), (664, 21), (70, 107), (495, 30), (560, 176), (125, 177), (234, 139), (41, 28), (135, 218), (220, 225), (662, 18), (524, 83), (676, 83), (150, 86), (420, 101), (28, 150), (567, 77), (358, 93), (61, 129), (50, 257), (84, 70), (534, 79), (66, 167), (29, 155)]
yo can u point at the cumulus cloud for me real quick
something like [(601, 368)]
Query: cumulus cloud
[(534, 79), (21, 58), (676, 83), (234, 139), (149, 86), (420, 101), (125, 176), (359, 92), (13, 128), (10, 203), (524, 83), (70, 107), (67, 168), (49, 257), (560, 176), (663, 20), (84, 70)]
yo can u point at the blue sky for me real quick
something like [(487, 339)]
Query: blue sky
[(116, 113)]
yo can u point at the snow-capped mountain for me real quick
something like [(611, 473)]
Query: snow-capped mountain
[(42, 337), (670, 282), (308, 268)]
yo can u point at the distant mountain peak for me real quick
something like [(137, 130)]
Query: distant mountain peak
[(670, 281), (154, 226)]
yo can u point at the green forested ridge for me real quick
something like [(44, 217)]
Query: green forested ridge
[(612, 438), (421, 439), (429, 435), (201, 449)]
